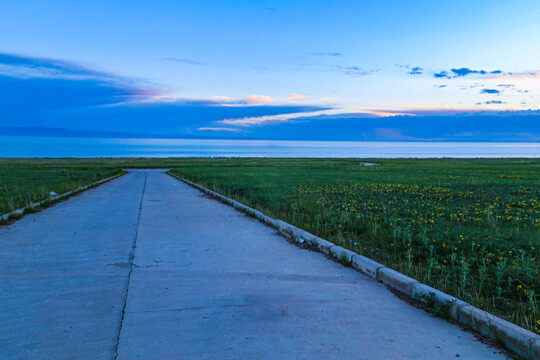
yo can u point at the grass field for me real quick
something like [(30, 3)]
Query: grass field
[(23, 182), (470, 228)]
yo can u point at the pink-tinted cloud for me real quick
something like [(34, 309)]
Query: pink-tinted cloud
[(218, 129), (296, 97), (258, 99), (518, 75), (428, 111), (221, 98)]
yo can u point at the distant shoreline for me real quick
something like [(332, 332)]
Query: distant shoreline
[(73, 147), (47, 132)]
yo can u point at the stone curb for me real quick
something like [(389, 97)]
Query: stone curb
[(516, 339), (366, 266), (57, 197), (396, 280)]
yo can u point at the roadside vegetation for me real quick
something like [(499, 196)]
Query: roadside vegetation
[(24, 182), (468, 227)]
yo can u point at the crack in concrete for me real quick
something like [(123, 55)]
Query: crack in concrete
[(193, 308), (131, 259)]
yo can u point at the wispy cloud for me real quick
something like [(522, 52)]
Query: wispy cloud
[(218, 129), (28, 67), (491, 102), (487, 75), (261, 120), (42, 83), (490, 91), (330, 54), (417, 70), (464, 71), (183, 61), (325, 113), (258, 99), (221, 98), (21, 66), (247, 101), (517, 75), (354, 70), (442, 74), (296, 96)]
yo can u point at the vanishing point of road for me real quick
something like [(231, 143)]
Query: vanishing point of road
[(146, 267)]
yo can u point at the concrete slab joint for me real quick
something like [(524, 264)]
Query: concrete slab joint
[(422, 292), (535, 349), (396, 280), (342, 254), (513, 337), (366, 265)]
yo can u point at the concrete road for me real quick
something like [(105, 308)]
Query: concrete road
[(146, 267)]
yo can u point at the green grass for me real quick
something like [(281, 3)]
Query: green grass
[(470, 228), (24, 182)]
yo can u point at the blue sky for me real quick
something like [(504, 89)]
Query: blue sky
[(273, 69)]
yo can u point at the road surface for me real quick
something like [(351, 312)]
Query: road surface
[(146, 267)]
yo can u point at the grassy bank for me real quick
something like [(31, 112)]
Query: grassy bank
[(23, 182), (470, 228)]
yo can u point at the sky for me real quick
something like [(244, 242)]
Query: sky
[(351, 70)]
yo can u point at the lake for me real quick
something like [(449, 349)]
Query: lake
[(22, 146)]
